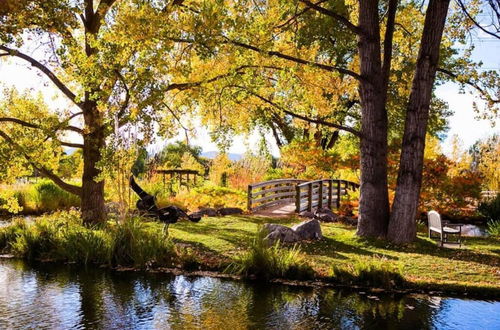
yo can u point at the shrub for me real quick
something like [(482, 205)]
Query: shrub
[(493, 227), (421, 226), (375, 273), (264, 261), (208, 196), (490, 208)]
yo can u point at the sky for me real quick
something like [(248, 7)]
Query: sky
[(15, 72)]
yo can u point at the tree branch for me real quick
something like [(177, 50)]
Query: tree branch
[(187, 85), (389, 34), (326, 67), (65, 90), (127, 94), (303, 11), (296, 115), (470, 83), (31, 125), (76, 190), (464, 9), (297, 59), (339, 18), (72, 145)]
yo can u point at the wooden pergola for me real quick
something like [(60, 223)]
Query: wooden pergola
[(183, 175)]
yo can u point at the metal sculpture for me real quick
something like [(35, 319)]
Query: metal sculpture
[(147, 205)]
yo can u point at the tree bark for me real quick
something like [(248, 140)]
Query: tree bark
[(374, 200), (402, 226), (92, 202)]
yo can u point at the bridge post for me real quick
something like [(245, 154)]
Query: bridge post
[(339, 187), (309, 197), (330, 193), (297, 198), (320, 192), (249, 200)]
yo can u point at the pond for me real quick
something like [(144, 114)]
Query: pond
[(45, 296)]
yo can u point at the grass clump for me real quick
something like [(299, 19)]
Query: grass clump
[(37, 241), (36, 198), (83, 245), (9, 234), (493, 228), (376, 273), (133, 243), (50, 197), (266, 262)]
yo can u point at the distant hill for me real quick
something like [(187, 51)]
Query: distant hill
[(213, 154)]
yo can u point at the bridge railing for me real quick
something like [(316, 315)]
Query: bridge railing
[(321, 193), (305, 194), (487, 195), (271, 193)]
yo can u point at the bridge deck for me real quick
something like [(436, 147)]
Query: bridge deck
[(277, 211)]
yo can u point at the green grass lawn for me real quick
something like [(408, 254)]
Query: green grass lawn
[(475, 266)]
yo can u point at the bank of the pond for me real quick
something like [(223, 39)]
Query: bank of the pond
[(223, 244)]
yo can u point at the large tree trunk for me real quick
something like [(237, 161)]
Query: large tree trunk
[(374, 200), (92, 202), (402, 226), (94, 138)]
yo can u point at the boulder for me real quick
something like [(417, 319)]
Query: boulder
[(472, 231), (351, 221), (306, 214), (197, 214), (229, 211), (326, 215), (208, 211), (112, 208), (308, 230), (280, 233)]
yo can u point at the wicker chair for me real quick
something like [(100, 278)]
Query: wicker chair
[(443, 228)]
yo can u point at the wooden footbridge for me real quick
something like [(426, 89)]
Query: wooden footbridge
[(285, 196)]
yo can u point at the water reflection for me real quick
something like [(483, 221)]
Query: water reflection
[(48, 296)]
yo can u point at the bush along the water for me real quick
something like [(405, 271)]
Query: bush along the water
[(63, 237), (265, 262), (376, 273)]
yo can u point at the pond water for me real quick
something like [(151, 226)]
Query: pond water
[(61, 297)]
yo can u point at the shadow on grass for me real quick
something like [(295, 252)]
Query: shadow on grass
[(424, 246), (330, 247), (234, 236)]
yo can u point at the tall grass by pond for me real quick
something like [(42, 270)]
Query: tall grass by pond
[(35, 198), (62, 237), (266, 261)]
